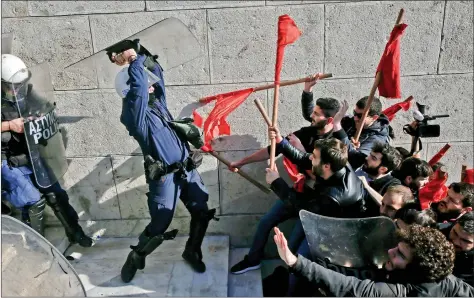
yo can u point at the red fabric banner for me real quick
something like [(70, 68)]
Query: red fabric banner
[(434, 191), (391, 111), (469, 178), (288, 33), (437, 157), (389, 65), (295, 176)]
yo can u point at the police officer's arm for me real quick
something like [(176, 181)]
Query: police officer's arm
[(136, 101), (339, 285)]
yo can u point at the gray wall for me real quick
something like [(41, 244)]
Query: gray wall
[(105, 178)]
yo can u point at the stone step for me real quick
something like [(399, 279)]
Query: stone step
[(165, 274), (248, 284)]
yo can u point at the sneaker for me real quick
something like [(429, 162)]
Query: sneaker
[(244, 266)]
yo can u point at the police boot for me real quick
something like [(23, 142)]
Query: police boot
[(136, 258), (192, 252), (74, 232), (35, 214)]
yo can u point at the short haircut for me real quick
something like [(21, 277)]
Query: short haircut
[(404, 152), (467, 222), (333, 152), (375, 107), (410, 215), (466, 190), (405, 192), (415, 168), (391, 158), (328, 105), (433, 254)]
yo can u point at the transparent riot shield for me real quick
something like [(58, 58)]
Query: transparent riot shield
[(356, 247), (170, 39), (32, 266), (7, 40), (33, 93)]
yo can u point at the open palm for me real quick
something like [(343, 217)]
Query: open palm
[(283, 250)]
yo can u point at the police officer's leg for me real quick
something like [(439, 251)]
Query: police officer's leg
[(195, 197), (58, 199), (161, 203), (19, 190)]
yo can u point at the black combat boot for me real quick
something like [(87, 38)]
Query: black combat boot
[(198, 226), (74, 232), (136, 258), (35, 214)]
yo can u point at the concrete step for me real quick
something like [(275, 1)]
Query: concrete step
[(248, 284), (165, 274)]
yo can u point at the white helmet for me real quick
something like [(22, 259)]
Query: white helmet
[(121, 82), (13, 69)]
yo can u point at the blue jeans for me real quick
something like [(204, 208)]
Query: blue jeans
[(163, 196), (277, 214)]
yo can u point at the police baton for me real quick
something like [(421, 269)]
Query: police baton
[(241, 173)]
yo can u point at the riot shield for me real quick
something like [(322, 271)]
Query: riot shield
[(32, 266), (354, 246), (169, 39), (34, 95), (7, 40)]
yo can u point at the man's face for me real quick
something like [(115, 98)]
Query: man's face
[(318, 119), (452, 203), (416, 184), (317, 168), (399, 257), (358, 116), (391, 202), (372, 163), (462, 240)]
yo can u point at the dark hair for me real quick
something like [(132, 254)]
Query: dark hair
[(466, 190), (467, 222), (433, 254), (333, 152), (414, 167), (403, 152), (410, 215), (391, 158), (405, 192), (328, 105), (375, 107), (438, 165)]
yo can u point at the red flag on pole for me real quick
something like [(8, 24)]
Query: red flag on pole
[(391, 111), (437, 157), (389, 65), (434, 191), (288, 33), (216, 124), (469, 176)]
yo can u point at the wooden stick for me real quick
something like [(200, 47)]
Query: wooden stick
[(377, 80), (284, 83), (262, 111), (276, 94), (241, 173), (463, 172)]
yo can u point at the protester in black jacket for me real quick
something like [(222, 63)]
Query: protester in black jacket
[(461, 234), (459, 200), (376, 127), (420, 265)]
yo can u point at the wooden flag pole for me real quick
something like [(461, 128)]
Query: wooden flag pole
[(284, 83), (241, 173), (378, 78), (463, 172), (262, 111)]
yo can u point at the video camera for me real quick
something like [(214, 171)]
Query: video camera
[(423, 129)]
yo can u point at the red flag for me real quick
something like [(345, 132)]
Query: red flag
[(216, 124), (391, 111), (437, 157), (208, 99), (197, 119), (435, 190), (389, 65), (469, 176), (288, 33), (295, 176)]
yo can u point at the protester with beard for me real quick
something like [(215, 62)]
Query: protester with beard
[(420, 265), (375, 128), (459, 200), (320, 117), (461, 235), (413, 173)]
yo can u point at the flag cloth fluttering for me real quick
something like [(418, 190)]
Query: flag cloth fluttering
[(288, 33), (295, 176), (389, 65), (435, 190), (392, 110)]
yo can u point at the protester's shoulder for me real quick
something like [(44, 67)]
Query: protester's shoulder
[(452, 286)]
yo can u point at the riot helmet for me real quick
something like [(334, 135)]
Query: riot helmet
[(14, 75)]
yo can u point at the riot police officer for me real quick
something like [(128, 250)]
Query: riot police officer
[(169, 167), (19, 186)]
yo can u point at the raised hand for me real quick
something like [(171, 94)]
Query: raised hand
[(283, 250)]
